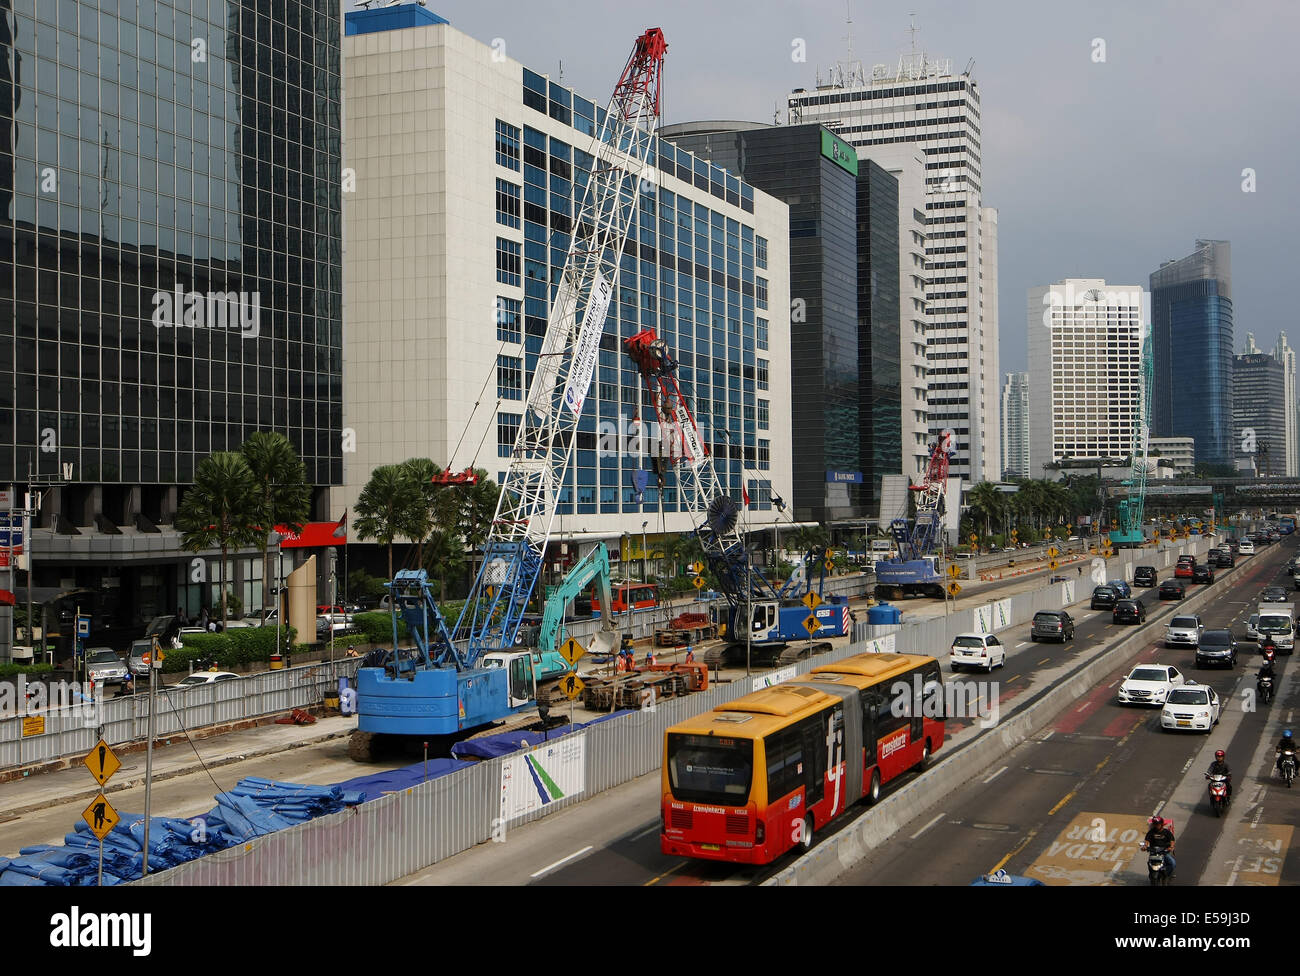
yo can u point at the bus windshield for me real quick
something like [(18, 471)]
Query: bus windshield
[(710, 769)]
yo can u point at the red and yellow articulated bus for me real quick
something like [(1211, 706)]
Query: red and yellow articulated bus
[(759, 775)]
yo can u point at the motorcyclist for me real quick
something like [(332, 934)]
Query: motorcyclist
[(1287, 744), (1220, 768), (1266, 668), (1161, 834)]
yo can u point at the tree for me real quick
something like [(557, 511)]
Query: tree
[(283, 496), (424, 517), (220, 510), (388, 508), (987, 500)]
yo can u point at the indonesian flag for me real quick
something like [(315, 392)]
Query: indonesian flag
[(341, 530), (744, 496)]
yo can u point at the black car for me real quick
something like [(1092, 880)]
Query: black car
[(1104, 598), (1214, 557), (1204, 573), (1144, 576), (1226, 559), (1216, 647), (1052, 625), (1172, 589), (1129, 612), (1273, 594)]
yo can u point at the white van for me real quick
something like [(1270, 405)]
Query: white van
[(1277, 620)]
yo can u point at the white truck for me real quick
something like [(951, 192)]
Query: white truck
[(1277, 620)]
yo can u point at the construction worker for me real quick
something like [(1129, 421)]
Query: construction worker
[(690, 654), (650, 659)]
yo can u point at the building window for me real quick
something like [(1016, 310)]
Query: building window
[(510, 378), (763, 418), (764, 454), (760, 333), (507, 431), (508, 204), (760, 252), (760, 292), (508, 262), (508, 145), (508, 316), (760, 374)]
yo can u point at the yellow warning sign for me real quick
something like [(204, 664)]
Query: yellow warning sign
[(1093, 849), (571, 686), (954, 570), (571, 650), (811, 600), (829, 564), (33, 725), (100, 816), (954, 588), (697, 566), (811, 624), (1053, 551), (1052, 564), (102, 762), (699, 582)]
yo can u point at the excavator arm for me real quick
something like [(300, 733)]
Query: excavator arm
[(593, 566)]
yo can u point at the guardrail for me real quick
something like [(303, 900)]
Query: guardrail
[(397, 835), (71, 730)]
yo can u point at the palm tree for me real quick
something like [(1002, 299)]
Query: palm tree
[(219, 510), (989, 501), (283, 495), (387, 507), (424, 519)]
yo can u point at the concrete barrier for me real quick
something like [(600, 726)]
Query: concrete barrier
[(853, 843)]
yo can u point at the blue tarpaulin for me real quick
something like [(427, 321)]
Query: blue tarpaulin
[(504, 743), (375, 785)]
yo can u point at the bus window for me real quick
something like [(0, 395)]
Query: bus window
[(812, 732), (710, 769), (784, 764)]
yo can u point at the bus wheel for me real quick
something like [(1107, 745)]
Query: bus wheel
[(925, 756), (806, 838), (873, 792)]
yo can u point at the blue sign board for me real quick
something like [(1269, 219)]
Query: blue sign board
[(845, 477), (11, 530), (83, 626)]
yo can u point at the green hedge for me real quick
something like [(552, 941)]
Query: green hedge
[(13, 670), (240, 647), (376, 627)]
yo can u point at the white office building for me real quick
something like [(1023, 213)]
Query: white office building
[(468, 170), (1085, 364), (1285, 355), (922, 103), (1180, 452), (1015, 426)]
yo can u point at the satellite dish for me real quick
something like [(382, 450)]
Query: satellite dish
[(722, 515)]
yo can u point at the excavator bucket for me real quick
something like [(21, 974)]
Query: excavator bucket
[(605, 642)]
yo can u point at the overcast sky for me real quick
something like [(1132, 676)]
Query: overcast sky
[(1097, 169)]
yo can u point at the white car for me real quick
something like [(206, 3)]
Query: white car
[(1195, 707), (1247, 548), (1184, 631), (977, 651), (205, 678), (1252, 627), (1149, 684)]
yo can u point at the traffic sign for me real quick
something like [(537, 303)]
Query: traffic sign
[(954, 588), (699, 582), (954, 570), (83, 626), (974, 539), (100, 816), (811, 624), (571, 650), (1053, 551), (571, 686), (811, 600), (1052, 564), (102, 762), (697, 566), (830, 564)]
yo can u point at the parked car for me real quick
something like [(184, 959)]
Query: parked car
[(1203, 573), (977, 650), (1184, 631), (105, 667), (205, 678), (1103, 598), (1052, 625), (1193, 707), (1121, 588), (1129, 612), (1217, 647), (1172, 589), (1149, 684), (1144, 576)]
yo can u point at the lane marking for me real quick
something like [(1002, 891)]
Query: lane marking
[(995, 775), (1044, 661), (927, 826), (1064, 800), (563, 860), (1050, 733), (649, 830), (1014, 851), (1023, 644), (1159, 806), (675, 867)]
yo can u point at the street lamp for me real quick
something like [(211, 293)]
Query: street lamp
[(645, 578)]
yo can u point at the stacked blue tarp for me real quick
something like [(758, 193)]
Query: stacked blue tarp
[(254, 807), (375, 785), (504, 743)]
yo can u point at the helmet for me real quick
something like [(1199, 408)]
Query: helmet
[(1218, 754), (1286, 734)]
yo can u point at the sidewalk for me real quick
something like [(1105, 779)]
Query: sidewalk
[(171, 758)]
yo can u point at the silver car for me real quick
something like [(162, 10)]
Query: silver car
[(1184, 631), (104, 666)]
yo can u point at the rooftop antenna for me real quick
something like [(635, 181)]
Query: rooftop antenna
[(848, 21), (913, 29), (560, 80), (776, 120)]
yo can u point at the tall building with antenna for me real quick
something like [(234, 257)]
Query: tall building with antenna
[(921, 101)]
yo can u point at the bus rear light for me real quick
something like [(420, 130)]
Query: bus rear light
[(759, 833)]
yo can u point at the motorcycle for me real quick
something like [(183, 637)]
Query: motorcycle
[(1157, 866), (1264, 688), (1287, 765), (1218, 792)]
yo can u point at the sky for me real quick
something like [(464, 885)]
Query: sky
[(1098, 168)]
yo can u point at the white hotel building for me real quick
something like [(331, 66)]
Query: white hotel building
[(924, 105), (468, 170), (1085, 370)]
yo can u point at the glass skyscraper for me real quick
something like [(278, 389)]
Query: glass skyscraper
[(170, 263), (1191, 327)]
